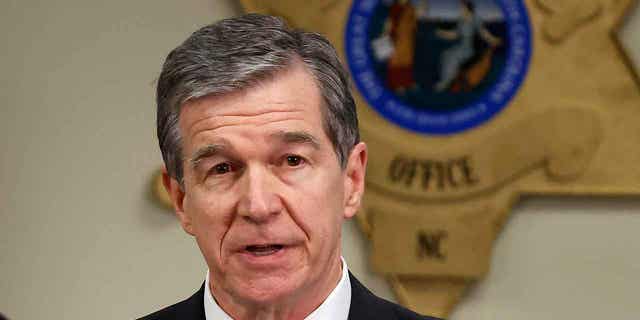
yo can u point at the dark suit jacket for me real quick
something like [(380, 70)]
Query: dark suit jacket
[(364, 306)]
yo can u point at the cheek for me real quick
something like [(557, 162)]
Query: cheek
[(211, 218), (318, 207)]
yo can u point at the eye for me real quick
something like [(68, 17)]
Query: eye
[(294, 160), (222, 168)]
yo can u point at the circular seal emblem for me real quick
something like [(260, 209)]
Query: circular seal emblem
[(438, 66)]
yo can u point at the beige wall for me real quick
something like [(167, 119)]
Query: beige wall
[(80, 239)]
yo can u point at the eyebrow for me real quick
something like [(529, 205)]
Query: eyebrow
[(206, 152), (297, 137)]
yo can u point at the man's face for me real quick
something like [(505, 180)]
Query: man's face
[(264, 194)]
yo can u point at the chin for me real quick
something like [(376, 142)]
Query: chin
[(268, 289)]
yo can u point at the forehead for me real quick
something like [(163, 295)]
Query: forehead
[(290, 99)]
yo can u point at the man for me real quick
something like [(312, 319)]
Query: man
[(259, 135)]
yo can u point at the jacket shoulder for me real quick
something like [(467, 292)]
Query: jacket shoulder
[(366, 305), (191, 308), (404, 313)]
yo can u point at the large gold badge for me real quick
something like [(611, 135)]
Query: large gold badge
[(468, 104)]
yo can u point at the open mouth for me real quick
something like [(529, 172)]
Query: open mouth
[(263, 250)]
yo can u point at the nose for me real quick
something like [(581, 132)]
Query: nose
[(259, 201)]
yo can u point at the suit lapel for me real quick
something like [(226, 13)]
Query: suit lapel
[(365, 305), (193, 308)]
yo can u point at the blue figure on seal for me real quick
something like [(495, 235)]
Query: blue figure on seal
[(455, 57)]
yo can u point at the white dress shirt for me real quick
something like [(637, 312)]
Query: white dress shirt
[(335, 307)]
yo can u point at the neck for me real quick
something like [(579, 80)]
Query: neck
[(295, 306)]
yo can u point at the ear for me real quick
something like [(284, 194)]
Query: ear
[(177, 199), (354, 179)]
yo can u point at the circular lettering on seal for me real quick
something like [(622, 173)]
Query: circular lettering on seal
[(438, 66)]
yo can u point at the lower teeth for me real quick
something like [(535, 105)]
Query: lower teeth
[(264, 251)]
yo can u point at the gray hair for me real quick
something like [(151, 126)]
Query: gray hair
[(236, 53)]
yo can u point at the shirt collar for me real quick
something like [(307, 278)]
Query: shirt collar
[(335, 306)]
